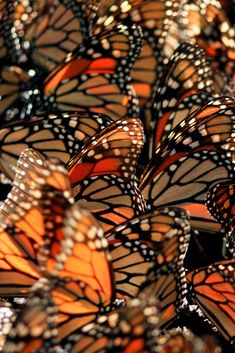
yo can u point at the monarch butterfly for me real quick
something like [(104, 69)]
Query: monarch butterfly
[(155, 19), (103, 175), (130, 329), (207, 23), (44, 32), (21, 237), (30, 250), (35, 327), (212, 288), (73, 252), (69, 247), (166, 231), (115, 150), (59, 30), (167, 281), (13, 81), (59, 136), (220, 203), (185, 85), (78, 265), (131, 257), (193, 158), (111, 199), (92, 79)]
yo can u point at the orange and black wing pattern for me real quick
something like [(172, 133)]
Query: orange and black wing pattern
[(39, 34), (92, 79), (221, 204), (35, 327), (185, 85), (110, 198), (115, 150), (212, 288), (207, 24), (57, 136), (80, 271), (192, 160), (23, 226), (166, 280), (155, 19), (133, 329), (103, 173), (144, 244), (52, 238)]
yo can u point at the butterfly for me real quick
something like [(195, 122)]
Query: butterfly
[(103, 173), (94, 70), (212, 289), (115, 150), (59, 136), (44, 32), (35, 326), (13, 81), (220, 203), (21, 238), (166, 231), (130, 329), (71, 250), (35, 37), (155, 18), (167, 281), (63, 242), (106, 190), (92, 77), (195, 156), (61, 28), (74, 256), (185, 85), (208, 24)]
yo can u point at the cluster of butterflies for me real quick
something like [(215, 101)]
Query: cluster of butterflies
[(117, 143)]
